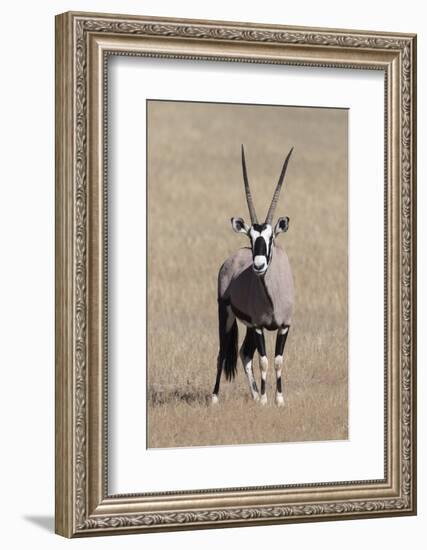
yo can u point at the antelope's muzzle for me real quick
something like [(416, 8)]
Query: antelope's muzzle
[(260, 256)]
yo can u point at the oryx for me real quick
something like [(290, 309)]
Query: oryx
[(255, 286)]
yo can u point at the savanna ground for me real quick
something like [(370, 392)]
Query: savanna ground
[(195, 186)]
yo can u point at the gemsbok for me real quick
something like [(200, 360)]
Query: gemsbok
[(255, 285)]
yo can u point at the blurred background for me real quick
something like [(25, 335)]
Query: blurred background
[(195, 186)]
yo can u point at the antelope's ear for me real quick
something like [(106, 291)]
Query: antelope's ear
[(239, 226), (282, 225)]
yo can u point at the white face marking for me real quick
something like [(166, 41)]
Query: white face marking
[(267, 232), (261, 260), (284, 331)]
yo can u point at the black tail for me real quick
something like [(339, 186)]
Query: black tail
[(227, 357)]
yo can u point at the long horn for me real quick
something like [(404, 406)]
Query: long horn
[(275, 198), (249, 199)]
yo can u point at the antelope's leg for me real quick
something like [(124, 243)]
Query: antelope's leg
[(246, 355), (282, 334), (217, 381), (263, 362)]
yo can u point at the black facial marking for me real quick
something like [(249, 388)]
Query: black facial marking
[(260, 248), (279, 384), (259, 227), (262, 386), (269, 248)]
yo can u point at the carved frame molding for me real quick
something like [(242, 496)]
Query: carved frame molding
[(83, 42)]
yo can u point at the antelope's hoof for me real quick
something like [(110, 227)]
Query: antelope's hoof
[(214, 399), (280, 402), (263, 399)]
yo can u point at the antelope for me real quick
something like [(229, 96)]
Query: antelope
[(255, 286)]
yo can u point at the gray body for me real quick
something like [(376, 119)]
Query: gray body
[(255, 286), (260, 302)]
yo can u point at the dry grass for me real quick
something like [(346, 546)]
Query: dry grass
[(195, 186)]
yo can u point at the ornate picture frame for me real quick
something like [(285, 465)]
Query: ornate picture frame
[(84, 506)]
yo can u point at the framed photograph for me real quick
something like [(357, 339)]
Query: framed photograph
[(235, 274)]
